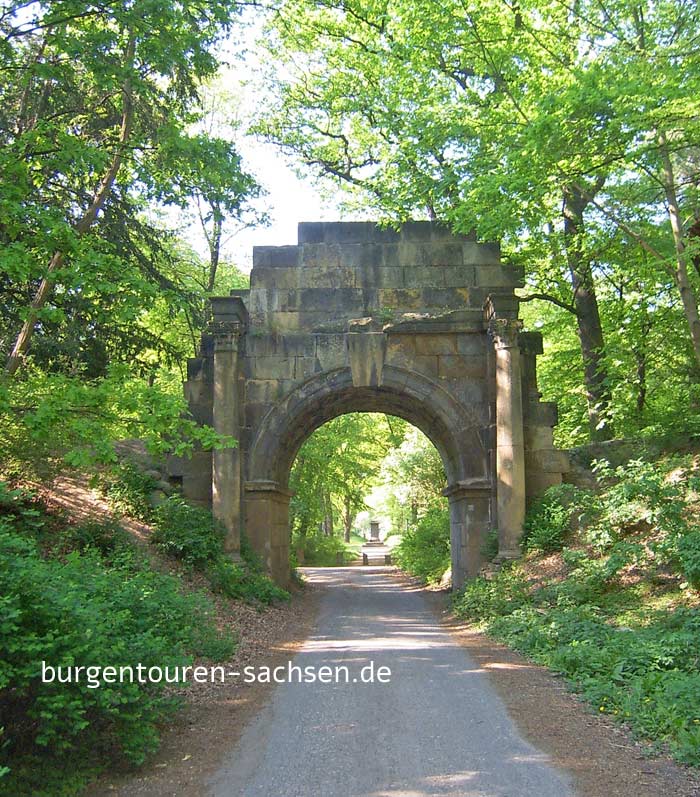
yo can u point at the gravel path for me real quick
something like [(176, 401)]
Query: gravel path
[(437, 728)]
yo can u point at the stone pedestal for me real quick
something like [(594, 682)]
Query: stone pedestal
[(470, 523), (267, 526)]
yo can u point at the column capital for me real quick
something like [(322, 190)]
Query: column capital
[(226, 334), (505, 331), (469, 488)]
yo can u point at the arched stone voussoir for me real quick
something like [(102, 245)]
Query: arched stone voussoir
[(452, 427)]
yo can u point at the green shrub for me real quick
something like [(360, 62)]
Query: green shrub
[(105, 537), (550, 518), (82, 612), (489, 550), (320, 550), (23, 510), (483, 599), (644, 671), (237, 581), (128, 490), (689, 556), (424, 551), (189, 533)]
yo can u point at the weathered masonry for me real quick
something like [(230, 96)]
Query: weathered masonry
[(417, 323)]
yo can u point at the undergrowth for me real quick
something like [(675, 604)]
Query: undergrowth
[(618, 613), (83, 596)]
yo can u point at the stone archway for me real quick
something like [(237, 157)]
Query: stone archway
[(417, 323), (413, 397)]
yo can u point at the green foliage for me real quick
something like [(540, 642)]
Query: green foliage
[(335, 469), (489, 550), (643, 671), (189, 533), (549, 519), (689, 556), (321, 550), (89, 607), (415, 471), (105, 537), (128, 489), (424, 550), (524, 109), (90, 168), (633, 651), (240, 582), (192, 535), (50, 420)]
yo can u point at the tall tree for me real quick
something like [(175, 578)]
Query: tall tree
[(522, 121), (97, 103)]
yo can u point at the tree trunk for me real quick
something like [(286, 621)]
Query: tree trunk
[(680, 271), (46, 285), (214, 242), (590, 330), (348, 517)]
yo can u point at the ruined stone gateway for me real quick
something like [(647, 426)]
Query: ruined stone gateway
[(417, 323)]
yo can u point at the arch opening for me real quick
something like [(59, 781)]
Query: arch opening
[(419, 401), (368, 487)]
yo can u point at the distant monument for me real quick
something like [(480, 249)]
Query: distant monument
[(374, 533)]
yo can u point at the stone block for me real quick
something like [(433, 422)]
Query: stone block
[(538, 437), (390, 256), (400, 299), (331, 277), (427, 365), (331, 351), (531, 343), (275, 367), (442, 299), (430, 254), (537, 482), (258, 302), (424, 276), (480, 254), (459, 276), (196, 478), (281, 278), (195, 368), (255, 412), (304, 367), (275, 257), (283, 322), (272, 345), (264, 391), (380, 277), (436, 344), (498, 276), (456, 366), (545, 413), (343, 232), (472, 343), (548, 460), (398, 354), (362, 255), (321, 256), (343, 302), (366, 355)]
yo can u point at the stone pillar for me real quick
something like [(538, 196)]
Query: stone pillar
[(470, 523), (267, 526), (510, 446), (228, 323)]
